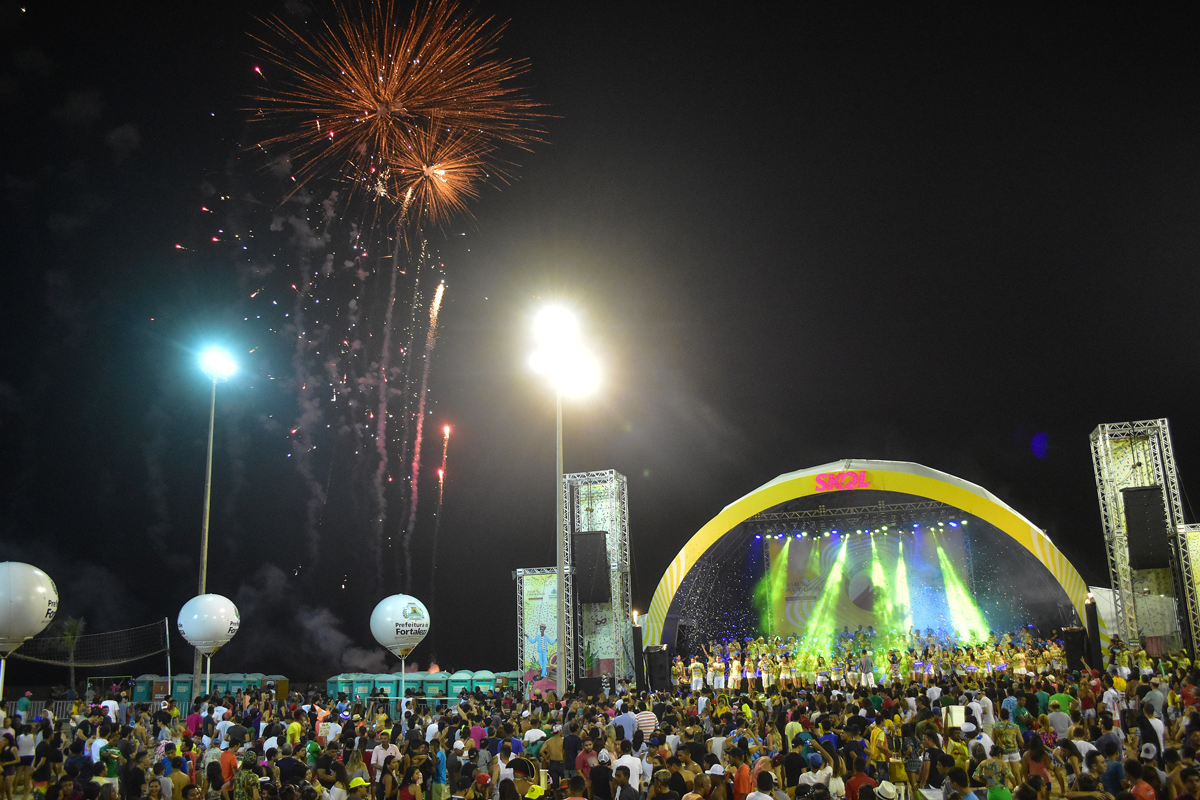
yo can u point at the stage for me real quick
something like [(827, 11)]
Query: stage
[(886, 546)]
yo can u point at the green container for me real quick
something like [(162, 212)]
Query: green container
[(459, 681), (435, 685), (143, 688), (386, 685), (484, 679), (181, 690), (361, 686)]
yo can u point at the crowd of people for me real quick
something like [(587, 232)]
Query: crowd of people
[(1128, 733), (865, 657)]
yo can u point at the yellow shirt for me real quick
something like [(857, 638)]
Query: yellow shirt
[(293, 732)]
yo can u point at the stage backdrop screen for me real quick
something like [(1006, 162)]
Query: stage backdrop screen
[(539, 626), (894, 581)]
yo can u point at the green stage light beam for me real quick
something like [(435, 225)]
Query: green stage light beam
[(770, 588), (879, 579), (823, 626), (965, 614), (902, 596)]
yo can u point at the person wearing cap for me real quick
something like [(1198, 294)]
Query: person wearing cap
[(596, 767), (1155, 697), (553, 757), (358, 788), (525, 777)]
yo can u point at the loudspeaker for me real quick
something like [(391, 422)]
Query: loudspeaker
[(590, 567), (658, 666), (589, 687), (1146, 528), (1075, 647)]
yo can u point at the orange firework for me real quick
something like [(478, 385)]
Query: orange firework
[(363, 94), (440, 172)]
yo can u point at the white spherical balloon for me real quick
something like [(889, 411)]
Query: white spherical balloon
[(399, 623), (28, 600), (208, 622)]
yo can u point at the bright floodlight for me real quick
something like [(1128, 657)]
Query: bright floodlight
[(555, 325), (574, 372), (217, 364)]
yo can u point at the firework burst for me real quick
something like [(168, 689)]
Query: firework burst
[(364, 92), (409, 111)]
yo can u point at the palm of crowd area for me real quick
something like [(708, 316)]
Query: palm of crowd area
[(1080, 734)]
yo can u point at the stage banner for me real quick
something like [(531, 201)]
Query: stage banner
[(539, 626), (824, 585)]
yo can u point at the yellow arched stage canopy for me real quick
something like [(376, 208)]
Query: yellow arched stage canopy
[(852, 475)]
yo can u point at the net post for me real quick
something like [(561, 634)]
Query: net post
[(170, 675)]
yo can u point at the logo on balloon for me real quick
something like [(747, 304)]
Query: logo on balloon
[(400, 623)]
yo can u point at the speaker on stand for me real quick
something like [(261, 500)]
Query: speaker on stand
[(1075, 642), (658, 667)]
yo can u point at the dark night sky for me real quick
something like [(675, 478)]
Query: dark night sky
[(798, 234)]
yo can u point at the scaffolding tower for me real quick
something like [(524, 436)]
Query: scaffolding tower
[(598, 501), (1129, 455)]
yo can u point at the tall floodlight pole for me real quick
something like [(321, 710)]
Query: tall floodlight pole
[(562, 357), (219, 366)]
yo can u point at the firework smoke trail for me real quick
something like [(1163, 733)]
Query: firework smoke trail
[(381, 416), (430, 341), (437, 521)]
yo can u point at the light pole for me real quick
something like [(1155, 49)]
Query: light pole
[(562, 357), (219, 366)]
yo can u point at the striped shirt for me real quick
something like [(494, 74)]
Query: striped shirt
[(646, 721)]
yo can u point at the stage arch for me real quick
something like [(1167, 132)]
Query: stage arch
[(867, 476)]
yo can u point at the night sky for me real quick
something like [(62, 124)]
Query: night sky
[(796, 234)]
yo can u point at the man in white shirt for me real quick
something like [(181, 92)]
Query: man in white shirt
[(1114, 701), (335, 729), (222, 728), (533, 735), (971, 735), (988, 719), (1081, 744), (431, 730), (820, 772), (382, 750), (114, 710), (630, 761)]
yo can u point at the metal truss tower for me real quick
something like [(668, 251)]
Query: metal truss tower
[(523, 643), (599, 501), (1128, 455)]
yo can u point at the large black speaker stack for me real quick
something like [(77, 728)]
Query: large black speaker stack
[(658, 667), (1075, 646), (1147, 528)]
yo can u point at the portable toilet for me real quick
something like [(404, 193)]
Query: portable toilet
[(436, 684), (181, 690), (237, 682), (143, 688), (459, 681), (220, 683), (254, 679), (484, 679), (331, 686), (361, 686), (386, 684), (160, 689), (277, 682)]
